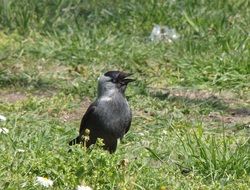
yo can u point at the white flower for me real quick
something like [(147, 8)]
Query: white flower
[(44, 181), (4, 130), (24, 184), (141, 134), (2, 118), (20, 150), (81, 187)]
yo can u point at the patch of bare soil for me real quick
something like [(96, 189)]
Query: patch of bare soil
[(77, 113), (235, 110), (232, 115), (194, 94), (12, 97), (229, 118), (45, 94), (16, 96)]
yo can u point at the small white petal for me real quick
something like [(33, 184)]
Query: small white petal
[(44, 181), (2, 118), (4, 130), (141, 134), (24, 184), (81, 187), (20, 150)]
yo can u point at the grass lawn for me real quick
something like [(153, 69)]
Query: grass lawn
[(191, 100)]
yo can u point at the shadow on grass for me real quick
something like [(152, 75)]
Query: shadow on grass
[(240, 111), (203, 100), (212, 102), (27, 83)]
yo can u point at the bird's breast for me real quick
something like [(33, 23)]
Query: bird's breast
[(114, 115), (105, 99)]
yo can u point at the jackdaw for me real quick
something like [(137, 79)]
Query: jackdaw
[(109, 116)]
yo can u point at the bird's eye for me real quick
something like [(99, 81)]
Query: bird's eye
[(113, 80)]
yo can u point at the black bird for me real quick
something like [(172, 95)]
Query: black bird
[(109, 116)]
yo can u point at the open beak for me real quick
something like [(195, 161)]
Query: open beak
[(126, 81), (123, 78)]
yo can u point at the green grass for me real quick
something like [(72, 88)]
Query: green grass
[(191, 108)]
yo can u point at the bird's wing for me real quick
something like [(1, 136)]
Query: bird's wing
[(129, 123), (128, 127), (87, 116)]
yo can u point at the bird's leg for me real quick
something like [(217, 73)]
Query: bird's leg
[(110, 145)]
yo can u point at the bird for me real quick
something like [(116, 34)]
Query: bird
[(109, 116)]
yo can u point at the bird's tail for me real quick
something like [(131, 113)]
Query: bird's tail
[(77, 140)]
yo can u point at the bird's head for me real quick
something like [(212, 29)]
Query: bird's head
[(113, 81)]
